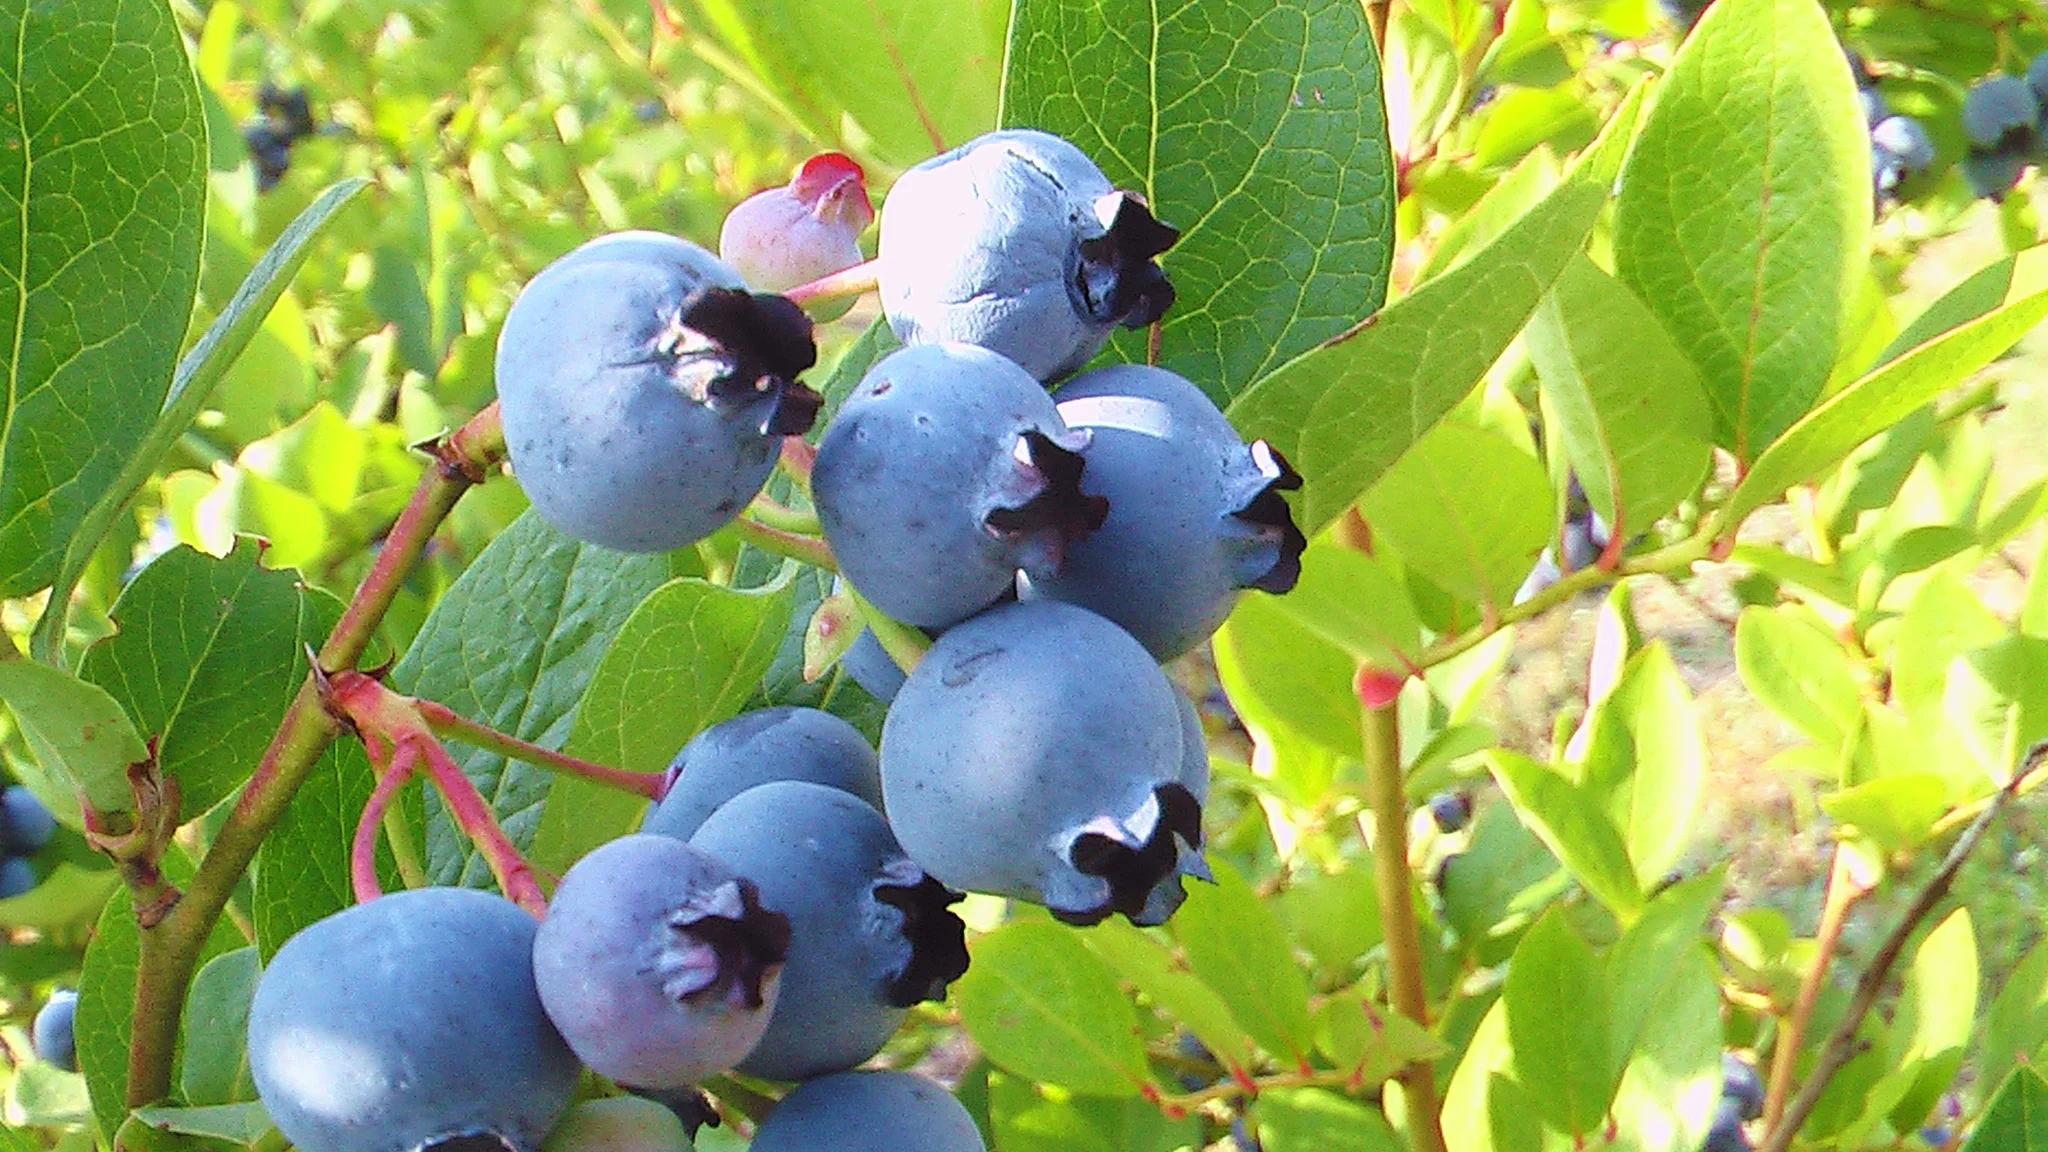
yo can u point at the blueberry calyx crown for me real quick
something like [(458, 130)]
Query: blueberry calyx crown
[(1134, 870), (937, 938), (746, 941), (1058, 505), (764, 341), (1118, 280), (1268, 511), (468, 1142)]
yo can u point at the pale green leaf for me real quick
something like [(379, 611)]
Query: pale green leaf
[(1044, 1007)]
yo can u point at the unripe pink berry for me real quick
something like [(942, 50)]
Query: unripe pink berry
[(801, 231)]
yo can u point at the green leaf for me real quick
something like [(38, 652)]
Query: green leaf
[(1369, 1040), (106, 996), (689, 656), (1044, 1007), (1502, 881), (512, 644), (41, 1095), (216, 1046), (1997, 698), (1467, 508), (1273, 666), (1236, 944), (1355, 602), (1256, 127), (68, 897), (1026, 1117), (2016, 1119), (1657, 811), (1672, 1080), (1316, 1120), (1791, 664), (1557, 1005), (103, 183), (1886, 395), (1574, 827), (1626, 403), (1743, 219), (1979, 293), (1944, 619), (1935, 1015), (208, 654), (1334, 916), (1175, 992), (202, 367), (1346, 411), (1896, 812), (2016, 1025), (874, 75), (1650, 952), (245, 1123), (301, 874), (82, 739)]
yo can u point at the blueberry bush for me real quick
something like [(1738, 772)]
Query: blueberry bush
[(1060, 499)]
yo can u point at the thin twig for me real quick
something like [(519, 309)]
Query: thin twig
[(1841, 1044)]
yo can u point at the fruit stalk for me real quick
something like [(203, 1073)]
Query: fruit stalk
[(1381, 731), (795, 545), (362, 856), (443, 721), (169, 952), (1846, 885)]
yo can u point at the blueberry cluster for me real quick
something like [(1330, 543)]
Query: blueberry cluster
[(2002, 117), (788, 899), (1899, 145), (287, 118), (1742, 1099), (25, 826)]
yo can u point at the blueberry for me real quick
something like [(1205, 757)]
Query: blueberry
[(869, 1112), (658, 962), (1999, 115), (870, 933), (1017, 242), (759, 747), (1874, 107), (645, 392), (619, 1124), (803, 230), (1038, 752), (1740, 1083), (16, 876), (1903, 137), (1195, 514), (53, 1032), (270, 152), (289, 108), (872, 667), (1451, 810), (25, 825), (1541, 576), (407, 1022), (946, 471), (1993, 174), (1726, 1135)]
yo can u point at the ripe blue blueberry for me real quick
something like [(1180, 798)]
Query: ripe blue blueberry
[(408, 1022), (2000, 114), (946, 471), (869, 1112), (658, 962), (870, 933), (619, 1124), (1451, 810), (25, 825), (645, 391), (1017, 242), (16, 876), (1038, 752), (1993, 174), (1874, 107), (759, 747), (53, 1032), (1904, 138), (872, 667), (1726, 1135), (1195, 514), (1740, 1083)]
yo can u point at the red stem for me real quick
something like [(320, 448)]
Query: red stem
[(362, 859), (846, 282), (443, 721), (474, 816)]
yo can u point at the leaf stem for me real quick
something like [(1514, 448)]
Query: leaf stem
[(1380, 729), (444, 722), (1841, 1043), (1844, 889), (795, 545), (169, 952)]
